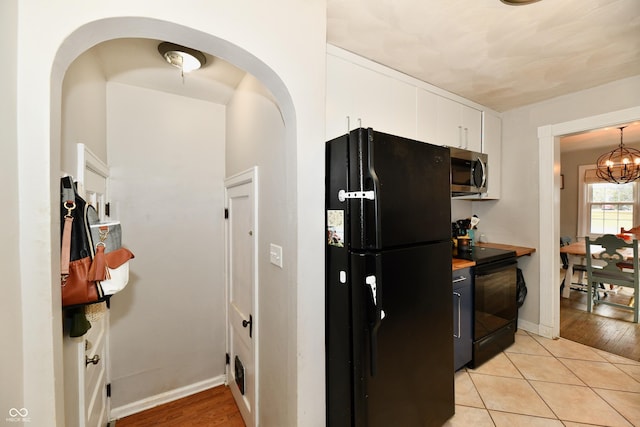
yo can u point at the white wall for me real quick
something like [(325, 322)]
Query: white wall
[(515, 217), (166, 157), (256, 136), (286, 52), (84, 114), (11, 351)]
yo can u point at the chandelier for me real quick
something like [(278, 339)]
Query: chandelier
[(620, 166)]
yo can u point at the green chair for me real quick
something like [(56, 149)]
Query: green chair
[(577, 268), (614, 271)]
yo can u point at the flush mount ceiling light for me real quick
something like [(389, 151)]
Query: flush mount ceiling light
[(518, 2), (620, 166), (184, 58)]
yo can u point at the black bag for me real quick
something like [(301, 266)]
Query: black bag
[(81, 242), (521, 290)]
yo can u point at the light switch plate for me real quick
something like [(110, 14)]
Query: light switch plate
[(275, 255)]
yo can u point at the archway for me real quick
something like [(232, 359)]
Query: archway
[(86, 36)]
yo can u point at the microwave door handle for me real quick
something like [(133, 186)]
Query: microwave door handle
[(484, 173)]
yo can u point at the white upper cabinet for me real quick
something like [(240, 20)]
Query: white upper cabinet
[(492, 146), (339, 102), (358, 96), (472, 123), (458, 125), (402, 115), (361, 93), (427, 120)]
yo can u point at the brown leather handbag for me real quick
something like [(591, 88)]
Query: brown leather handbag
[(76, 288)]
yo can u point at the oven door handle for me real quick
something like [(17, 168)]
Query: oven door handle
[(493, 267)]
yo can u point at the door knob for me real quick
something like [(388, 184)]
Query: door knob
[(248, 323), (94, 360)]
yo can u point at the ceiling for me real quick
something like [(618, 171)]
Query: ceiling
[(137, 62), (598, 138), (497, 55)]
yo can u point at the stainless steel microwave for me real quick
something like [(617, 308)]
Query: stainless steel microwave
[(468, 172)]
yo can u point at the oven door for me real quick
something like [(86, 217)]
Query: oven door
[(494, 297)]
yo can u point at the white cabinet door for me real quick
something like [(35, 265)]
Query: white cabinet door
[(449, 129), (360, 97), (472, 127), (371, 93), (339, 101), (458, 125), (427, 117), (492, 146), (402, 113)]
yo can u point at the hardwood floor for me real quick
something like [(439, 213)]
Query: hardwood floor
[(210, 408), (607, 328)]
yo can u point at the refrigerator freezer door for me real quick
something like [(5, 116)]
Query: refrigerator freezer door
[(403, 336), (339, 366), (410, 181)]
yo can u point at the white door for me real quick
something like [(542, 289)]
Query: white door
[(242, 316), (85, 358)]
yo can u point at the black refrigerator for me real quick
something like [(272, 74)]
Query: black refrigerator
[(389, 315)]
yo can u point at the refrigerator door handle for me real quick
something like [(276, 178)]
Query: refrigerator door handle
[(378, 316), (371, 281), (372, 181)]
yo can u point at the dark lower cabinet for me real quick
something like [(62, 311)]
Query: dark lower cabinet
[(462, 317)]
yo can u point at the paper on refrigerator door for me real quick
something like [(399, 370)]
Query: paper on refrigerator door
[(335, 227)]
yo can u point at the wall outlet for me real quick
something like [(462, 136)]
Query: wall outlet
[(275, 255)]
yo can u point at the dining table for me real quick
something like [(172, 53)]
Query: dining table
[(576, 252)]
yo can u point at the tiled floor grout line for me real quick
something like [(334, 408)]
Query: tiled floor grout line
[(559, 359), (484, 404), (551, 352), (532, 387), (607, 402)]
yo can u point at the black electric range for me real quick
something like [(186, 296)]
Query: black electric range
[(495, 308), (483, 255)]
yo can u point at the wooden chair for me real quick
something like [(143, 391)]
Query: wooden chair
[(610, 272), (579, 268)]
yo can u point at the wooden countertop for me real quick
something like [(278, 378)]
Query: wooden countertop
[(458, 263)]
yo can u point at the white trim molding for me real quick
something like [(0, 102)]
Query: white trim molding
[(549, 207)]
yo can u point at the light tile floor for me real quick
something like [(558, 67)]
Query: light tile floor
[(545, 383)]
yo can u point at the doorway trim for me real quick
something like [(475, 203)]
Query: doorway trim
[(549, 213), (249, 176)]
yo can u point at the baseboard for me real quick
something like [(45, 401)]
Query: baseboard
[(529, 327), (166, 397)]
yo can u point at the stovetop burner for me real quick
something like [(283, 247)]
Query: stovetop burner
[(483, 255)]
